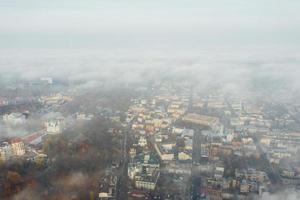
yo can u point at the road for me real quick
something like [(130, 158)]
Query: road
[(272, 173), (122, 187), (196, 156)]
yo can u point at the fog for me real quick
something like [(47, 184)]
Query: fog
[(236, 68)]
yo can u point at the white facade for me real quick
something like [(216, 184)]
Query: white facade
[(54, 126), (142, 142), (83, 116)]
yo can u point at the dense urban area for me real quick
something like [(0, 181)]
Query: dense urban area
[(149, 100), (166, 139)]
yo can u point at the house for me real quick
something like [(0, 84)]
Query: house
[(18, 147)]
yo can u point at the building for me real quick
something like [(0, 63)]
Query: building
[(108, 185), (55, 99), (204, 120), (184, 156), (142, 160), (2, 156), (219, 171), (18, 147), (251, 174), (164, 154), (200, 119), (83, 116), (188, 144), (54, 126), (147, 179), (244, 187), (143, 170), (5, 151)]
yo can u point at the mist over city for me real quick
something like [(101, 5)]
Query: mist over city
[(156, 100)]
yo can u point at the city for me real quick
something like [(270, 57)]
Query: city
[(149, 100), (168, 141)]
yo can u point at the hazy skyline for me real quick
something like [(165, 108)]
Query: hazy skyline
[(135, 41)]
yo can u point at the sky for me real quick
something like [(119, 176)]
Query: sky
[(148, 24)]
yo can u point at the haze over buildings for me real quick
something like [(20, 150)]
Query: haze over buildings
[(131, 100)]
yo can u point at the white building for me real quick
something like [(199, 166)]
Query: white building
[(83, 116), (54, 126), (142, 141)]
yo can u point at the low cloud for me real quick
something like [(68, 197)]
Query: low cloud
[(235, 70)]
